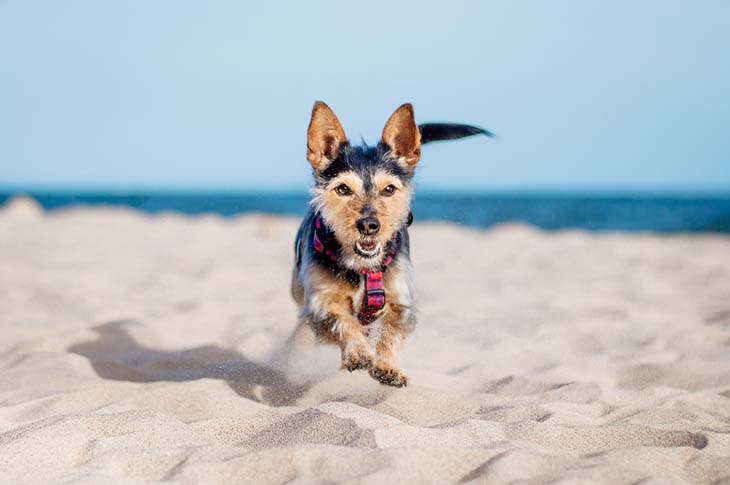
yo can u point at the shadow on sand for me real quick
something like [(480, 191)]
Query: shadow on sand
[(116, 355)]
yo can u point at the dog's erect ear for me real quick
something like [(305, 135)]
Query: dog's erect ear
[(324, 136), (402, 137)]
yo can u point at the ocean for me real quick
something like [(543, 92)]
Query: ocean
[(662, 214)]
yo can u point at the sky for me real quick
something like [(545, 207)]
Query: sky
[(589, 95)]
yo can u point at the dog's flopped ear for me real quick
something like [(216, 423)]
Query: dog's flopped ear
[(324, 136), (402, 137)]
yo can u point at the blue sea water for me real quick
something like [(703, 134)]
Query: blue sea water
[(665, 214)]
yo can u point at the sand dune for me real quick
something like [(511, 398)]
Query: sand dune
[(138, 348)]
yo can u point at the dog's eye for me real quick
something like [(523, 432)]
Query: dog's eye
[(389, 190), (343, 190)]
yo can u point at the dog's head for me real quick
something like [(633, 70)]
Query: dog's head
[(363, 193)]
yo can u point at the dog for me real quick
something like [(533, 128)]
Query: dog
[(352, 278)]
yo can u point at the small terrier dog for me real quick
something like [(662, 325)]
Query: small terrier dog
[(353, 279)]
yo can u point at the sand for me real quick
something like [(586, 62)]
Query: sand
[(142, 348)]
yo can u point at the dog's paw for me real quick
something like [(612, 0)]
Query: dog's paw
[(356, 358), (388, 375)]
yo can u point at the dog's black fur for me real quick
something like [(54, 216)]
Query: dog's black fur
[(355, 184), (431, 132), (365, 159)]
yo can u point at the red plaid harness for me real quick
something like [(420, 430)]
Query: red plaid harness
[(374, 299)]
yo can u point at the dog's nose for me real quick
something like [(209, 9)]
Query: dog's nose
[(368, 226)]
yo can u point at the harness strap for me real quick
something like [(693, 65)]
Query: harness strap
[(374, 298)]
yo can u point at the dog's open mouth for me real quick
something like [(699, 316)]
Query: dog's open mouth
[(367, 248)]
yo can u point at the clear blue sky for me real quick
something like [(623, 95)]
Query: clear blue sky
[(588, 95)]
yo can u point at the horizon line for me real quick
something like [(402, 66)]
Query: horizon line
[(524, 190)]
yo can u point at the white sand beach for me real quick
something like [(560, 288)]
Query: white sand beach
[(139, 348)]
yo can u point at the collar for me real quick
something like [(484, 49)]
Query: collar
[(325, 244)]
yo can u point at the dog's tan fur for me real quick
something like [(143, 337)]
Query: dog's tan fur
[(329, 304), (343, 213)]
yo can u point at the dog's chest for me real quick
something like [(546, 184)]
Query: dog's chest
[(327, 290), (396, 285)]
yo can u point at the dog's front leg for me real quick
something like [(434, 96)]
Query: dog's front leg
[(343, 328), (356, 352), (385, 368)]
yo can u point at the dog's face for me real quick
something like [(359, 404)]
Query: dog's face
[(363, 193)]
